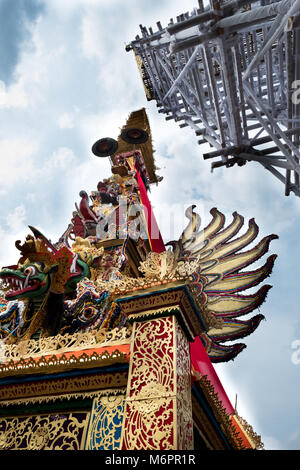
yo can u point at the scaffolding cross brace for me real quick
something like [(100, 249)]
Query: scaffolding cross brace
[(231, 72)]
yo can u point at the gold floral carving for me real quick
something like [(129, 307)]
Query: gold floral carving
[(62, 362), (66, 343), (184, 398), (126, 284), (44, 432), (158, 399), (63, 352), (63, 385), (150, 400), (152, 361), (158, 268), (64, 397), (165, 266), (150, 424), (86, 250)]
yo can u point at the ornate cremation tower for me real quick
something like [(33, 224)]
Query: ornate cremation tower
[(231, 71), (108, 339)]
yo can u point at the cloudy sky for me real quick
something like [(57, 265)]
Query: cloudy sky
[(66, 81)]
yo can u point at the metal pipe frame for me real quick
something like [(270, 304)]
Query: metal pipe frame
[(228, 73)]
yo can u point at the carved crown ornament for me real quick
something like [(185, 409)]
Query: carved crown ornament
[(157, 269)]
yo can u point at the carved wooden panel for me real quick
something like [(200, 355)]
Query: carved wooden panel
[(158, 393), (54, 431)]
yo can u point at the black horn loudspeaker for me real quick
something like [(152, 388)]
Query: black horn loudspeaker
[(105, 147), (134, 136)]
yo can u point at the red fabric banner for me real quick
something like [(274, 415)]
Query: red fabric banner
[(202, 364), (155, 238)]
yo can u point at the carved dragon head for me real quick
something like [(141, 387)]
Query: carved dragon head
[(43, 267)]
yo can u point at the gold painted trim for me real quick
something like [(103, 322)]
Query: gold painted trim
[(222, 416), (63, 386), (252, 436), (161, 312), (54, 363), (63, 397), (211, 434), (142, 303), (128, 383), (130, 361), (58, 344)]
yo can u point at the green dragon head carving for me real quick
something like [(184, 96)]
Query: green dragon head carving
[(42, 268), (40, 280)]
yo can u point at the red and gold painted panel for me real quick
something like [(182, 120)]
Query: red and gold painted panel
[(158, 391)]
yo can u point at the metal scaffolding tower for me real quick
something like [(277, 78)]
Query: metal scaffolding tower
[(231, 71)]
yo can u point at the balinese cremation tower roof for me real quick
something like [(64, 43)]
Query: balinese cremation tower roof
[(109, 335)]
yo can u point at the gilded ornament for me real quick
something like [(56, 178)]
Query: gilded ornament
[(59, 344), (183, 391), (158, 401), (63, 397), (87, 251), (254, 437), (39, 439), (4, 441), (64, 385), (44, 432), (62, 362)]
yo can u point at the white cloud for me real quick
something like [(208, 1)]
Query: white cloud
[(15, 219), (17, 160), (13, 228), (66, 121), (294, 440), (31, 197), (13, 96), (271, 443), (90, 38), (61, 159)]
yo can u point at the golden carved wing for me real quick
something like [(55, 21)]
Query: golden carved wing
[(222, 256)]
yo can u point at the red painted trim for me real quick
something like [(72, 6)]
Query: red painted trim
[(245, 441), (202, 364), (123, 348), (155, 238)]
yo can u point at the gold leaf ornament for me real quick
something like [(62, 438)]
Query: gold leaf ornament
[(39, 439)]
